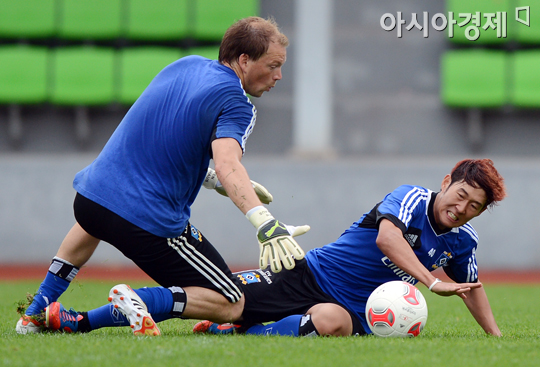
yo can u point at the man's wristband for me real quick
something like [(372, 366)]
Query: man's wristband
[(258, 215), (437, 280)]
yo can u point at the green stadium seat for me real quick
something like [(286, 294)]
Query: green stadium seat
[(138, 66), (83, 76), (474, 78), (90, 19), (23, 74), (157, 20), (531, 34), (525, 90), (487, 36), (27, 19), (213, 17), (23, 81), (210, 52)]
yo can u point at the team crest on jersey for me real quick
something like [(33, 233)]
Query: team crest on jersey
[(442, 260), (413, 237), (249, 277), (195, 233)]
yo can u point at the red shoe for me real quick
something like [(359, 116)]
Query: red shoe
[(57, 318), (209, 327)]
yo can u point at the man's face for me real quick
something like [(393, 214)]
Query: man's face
[(261, 75), (458, 203)]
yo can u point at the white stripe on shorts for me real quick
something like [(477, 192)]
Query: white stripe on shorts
[(208, 269)]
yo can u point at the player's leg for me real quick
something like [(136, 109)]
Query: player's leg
[(142, 302), (325, 319), (75, 250), (189, 261), (208, 304), (146, 306)]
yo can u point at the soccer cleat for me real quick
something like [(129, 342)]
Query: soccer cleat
[(57, 318), (132, 306), (29, 325), (209, 327)]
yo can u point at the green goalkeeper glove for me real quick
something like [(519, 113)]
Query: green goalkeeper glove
[(211, 182), (276, 242)]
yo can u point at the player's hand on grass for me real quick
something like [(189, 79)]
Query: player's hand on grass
[(211, 182), (453, 289), (277, 246)]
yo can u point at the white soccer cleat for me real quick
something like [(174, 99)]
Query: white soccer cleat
[(28, 325), (132, 306)]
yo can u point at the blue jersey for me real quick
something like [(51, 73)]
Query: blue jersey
[(151, 169), (353, 266)]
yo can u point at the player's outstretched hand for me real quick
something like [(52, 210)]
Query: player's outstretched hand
[(278, 246), (211, 182), (450, 289)]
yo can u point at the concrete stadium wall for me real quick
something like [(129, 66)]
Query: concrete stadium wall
[(36, 205)]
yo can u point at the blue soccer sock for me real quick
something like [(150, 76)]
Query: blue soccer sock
[(159, 301), (288, 326), (57, 280)]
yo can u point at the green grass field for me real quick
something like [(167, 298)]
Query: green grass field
[(451, 338)]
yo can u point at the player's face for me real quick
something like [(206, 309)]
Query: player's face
[(458, 203), (260, 76)]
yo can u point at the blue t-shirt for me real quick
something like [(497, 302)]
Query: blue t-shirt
[(352, 267), (151, 169)]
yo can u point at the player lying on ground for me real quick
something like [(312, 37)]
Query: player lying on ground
[(137, 194), (412, 232)]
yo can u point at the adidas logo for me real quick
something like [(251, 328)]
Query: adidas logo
[(411, 238)]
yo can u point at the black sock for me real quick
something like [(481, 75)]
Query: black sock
[(84, 324)]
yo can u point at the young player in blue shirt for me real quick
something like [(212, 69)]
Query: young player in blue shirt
[(410, 233), (138, 192)]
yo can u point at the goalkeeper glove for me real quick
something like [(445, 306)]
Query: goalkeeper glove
[(276, 242), (211, 182)]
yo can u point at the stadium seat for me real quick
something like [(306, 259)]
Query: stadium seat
[(213, 17), (83, 76), (474, 78), (528, 34), (157, 20), (23, 80), (210, 52), (23, 74), (90, 19), (138, 66), (27, 19), (487, 36), (525, 91)]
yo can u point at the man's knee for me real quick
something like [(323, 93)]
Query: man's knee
[(234, 311), (331, 320), (229, 312)]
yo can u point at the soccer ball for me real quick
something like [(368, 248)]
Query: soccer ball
[(396, 309)]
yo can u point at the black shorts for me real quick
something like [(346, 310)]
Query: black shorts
[(187, 260), (273, 296)]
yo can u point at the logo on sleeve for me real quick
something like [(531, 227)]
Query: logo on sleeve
[(413, 237)]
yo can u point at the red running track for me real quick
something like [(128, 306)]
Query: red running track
[(15, 272)]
